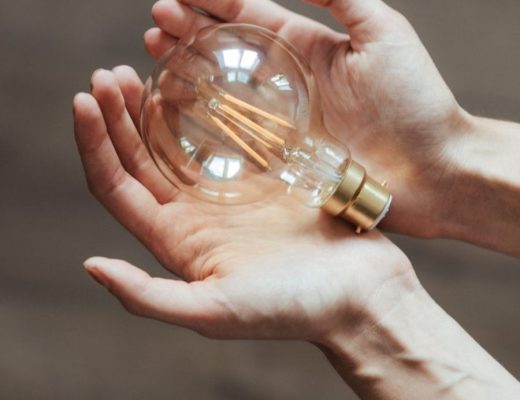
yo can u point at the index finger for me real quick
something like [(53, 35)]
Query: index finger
[(124, 196)]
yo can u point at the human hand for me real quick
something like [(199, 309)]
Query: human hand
[(381, 92), (275, 269)]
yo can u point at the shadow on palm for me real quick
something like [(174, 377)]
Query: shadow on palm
[(198, 239)]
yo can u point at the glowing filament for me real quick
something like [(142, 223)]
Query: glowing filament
[(228, 131)]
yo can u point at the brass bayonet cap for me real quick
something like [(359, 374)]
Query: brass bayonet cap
[(359, 199)]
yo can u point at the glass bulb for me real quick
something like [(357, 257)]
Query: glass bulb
[(233, 116)]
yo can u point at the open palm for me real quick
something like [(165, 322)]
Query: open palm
[(271, 270)]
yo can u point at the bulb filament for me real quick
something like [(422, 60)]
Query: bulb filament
[(234, 116), (257, 157)]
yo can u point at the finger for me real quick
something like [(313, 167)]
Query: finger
[(265, 13), (125, 137), (132, 90), (126, 198), (189, 305), (310, 37), (177, 19), (146, 171), (157, 42), (365, 20)]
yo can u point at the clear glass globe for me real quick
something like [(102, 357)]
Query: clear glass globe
[(233, 116)]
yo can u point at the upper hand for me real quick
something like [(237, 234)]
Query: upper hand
[(381, 93)]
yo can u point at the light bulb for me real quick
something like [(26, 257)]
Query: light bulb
[(233, 116)]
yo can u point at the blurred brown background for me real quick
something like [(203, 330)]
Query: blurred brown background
[(63, 337)]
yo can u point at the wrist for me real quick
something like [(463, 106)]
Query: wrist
[(425, 180), (377, 359), (479, 190), (485, 148), (415, 350), (389, 295)]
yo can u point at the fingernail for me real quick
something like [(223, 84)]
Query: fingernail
[(92, 267)]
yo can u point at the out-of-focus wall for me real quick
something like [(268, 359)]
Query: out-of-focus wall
[(62, 337)]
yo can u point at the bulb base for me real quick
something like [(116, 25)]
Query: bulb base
[(359, 199)]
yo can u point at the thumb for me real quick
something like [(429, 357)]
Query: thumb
[(365, 20), (185, 304)]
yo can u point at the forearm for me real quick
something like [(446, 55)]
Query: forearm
[(480, 195), (417, 351)]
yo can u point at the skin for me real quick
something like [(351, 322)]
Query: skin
[(241, 277), (279, 270), (384, 98), (381, 93)]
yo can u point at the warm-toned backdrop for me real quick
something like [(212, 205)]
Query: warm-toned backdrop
[(63, 337)]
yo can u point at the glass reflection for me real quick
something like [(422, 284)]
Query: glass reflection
[(222, 167), (186, 145), (239, 63), (281, 82)]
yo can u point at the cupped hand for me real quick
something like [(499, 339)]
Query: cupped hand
[(269, 270), (381, 92)]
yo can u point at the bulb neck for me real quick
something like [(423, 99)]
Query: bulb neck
[(359, 199)]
